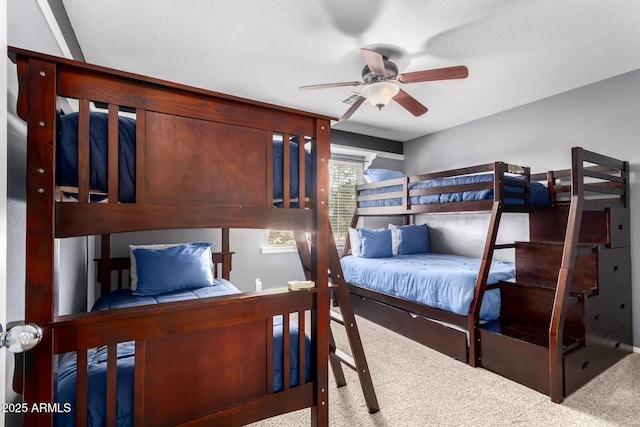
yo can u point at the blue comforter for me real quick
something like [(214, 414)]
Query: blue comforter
[(97, 359), (539, 193), (67, 157), (437, 280)]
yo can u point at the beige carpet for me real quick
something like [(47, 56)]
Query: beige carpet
[(417, 386)]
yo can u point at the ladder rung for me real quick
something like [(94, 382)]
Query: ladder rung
[(345, 358), (337, 317)]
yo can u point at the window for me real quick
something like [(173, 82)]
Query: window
[(343, 177)]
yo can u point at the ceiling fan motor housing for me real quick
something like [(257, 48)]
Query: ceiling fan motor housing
[(391, 71)]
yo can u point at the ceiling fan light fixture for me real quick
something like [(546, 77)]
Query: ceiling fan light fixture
[(380, 93)]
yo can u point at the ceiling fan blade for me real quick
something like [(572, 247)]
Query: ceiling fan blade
[(374, 61), (353, 108), (329, 85), (410, 103), (448, 73)]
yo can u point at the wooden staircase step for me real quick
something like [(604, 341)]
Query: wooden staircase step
[(336, 317), (529, 333), (345, 358)]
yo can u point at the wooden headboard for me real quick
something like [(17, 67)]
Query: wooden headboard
[(118, 268)]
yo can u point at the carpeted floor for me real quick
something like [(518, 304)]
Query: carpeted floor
[(417, 386)]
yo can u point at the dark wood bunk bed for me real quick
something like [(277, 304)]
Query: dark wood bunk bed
[(566, 314), (192, 148)]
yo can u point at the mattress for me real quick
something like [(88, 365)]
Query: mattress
[(67, 158), (442, 281), (539, 193), (97, 358)]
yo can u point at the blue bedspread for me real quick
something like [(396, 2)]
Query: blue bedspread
[(437, 280), (67, 157), (539, 193), (97, 359)]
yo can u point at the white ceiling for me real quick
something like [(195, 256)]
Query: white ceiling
[(517, 51)]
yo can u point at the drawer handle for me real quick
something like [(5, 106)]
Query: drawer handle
[(597, 317), (585, 365), (622, 306), (620, 226), (615, 268)]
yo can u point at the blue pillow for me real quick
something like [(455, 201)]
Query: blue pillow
[(375, 243), (413, 239), (377, 175), (184, 266)]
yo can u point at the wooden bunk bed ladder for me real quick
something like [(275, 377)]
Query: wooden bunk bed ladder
[(346, 318)]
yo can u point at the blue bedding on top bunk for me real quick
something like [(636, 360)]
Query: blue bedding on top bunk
[(539, 193), (67, 157), (437, 280), (97, 358)]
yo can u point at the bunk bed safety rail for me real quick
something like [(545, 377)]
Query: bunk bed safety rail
[(232, 337), (464, 189), (604, 180), (99, 156)]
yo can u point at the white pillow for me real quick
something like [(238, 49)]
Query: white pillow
[(395, 242), (133, 269), (354, 242)]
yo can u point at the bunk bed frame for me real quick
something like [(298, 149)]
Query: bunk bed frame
[(172, 123), (567, 316), (439, 329)]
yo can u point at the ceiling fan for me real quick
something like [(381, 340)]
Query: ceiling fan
[(380, 78)]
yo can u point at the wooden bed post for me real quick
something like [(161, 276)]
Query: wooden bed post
[(38, 85), (321, 153), (564, 278), (347, 240)]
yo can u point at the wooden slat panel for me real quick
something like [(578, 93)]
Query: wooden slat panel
[(141, 143), (286, 352), (112, 378), (82, 388), (140, 372), (269, 359), (269, 166), (113, 145), (302, 175), (83, 151), (286, 168), (302, 348)]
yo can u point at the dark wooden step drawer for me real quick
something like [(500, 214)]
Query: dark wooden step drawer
[(608, 311), (614, 268), (616, 345), (580, 366)]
